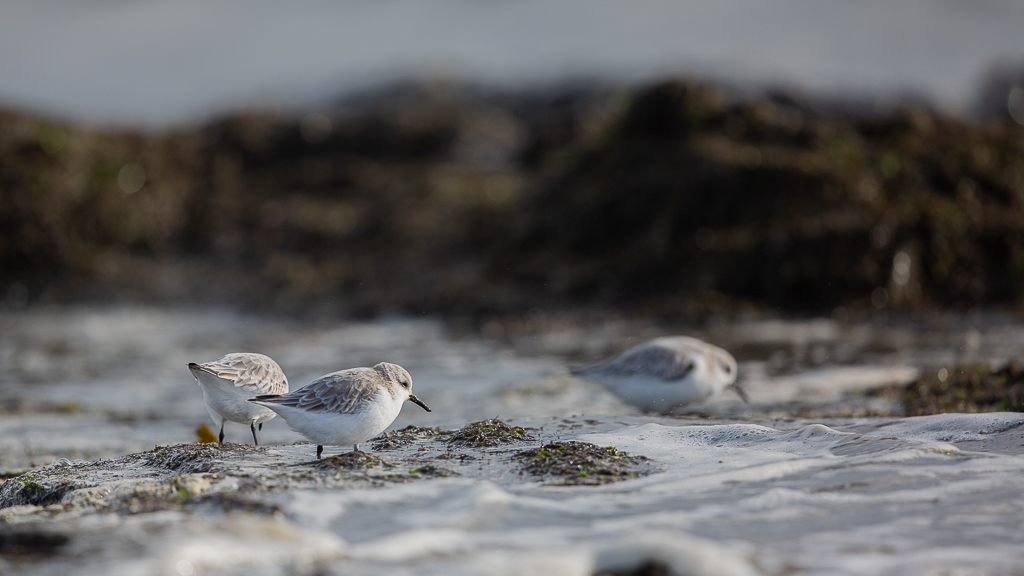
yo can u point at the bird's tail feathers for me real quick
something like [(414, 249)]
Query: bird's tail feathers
[(194, 367)]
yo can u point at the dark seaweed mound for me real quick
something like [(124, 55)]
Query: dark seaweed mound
[(962, 388), (350, 461), (190, 458), (669, 200), (582, 463), (405, 437), (488, 433)]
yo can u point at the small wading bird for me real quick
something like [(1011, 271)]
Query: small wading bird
[(229, 382), (346, 407), (665, 373)]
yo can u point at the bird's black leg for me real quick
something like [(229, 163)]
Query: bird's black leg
[(221, 439), (319, 451), (261, 427), (252, 426), (355, 448)]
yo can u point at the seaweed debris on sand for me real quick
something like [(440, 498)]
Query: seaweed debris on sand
[(193, 457), (405, 437), (582, 463), (488, 433), (354, 460), (961, 388), (41, 487)]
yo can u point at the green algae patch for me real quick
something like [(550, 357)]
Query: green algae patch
[(489, 433), (405, 437), (581, 463), (961, 388)]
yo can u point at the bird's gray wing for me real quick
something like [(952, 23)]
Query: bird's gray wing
[(646, 360), (341, 392), (256, 373)]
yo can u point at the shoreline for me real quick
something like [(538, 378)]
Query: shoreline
[(449, 504)]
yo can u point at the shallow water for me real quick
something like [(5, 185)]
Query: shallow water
[(749, 489), (120, 372), (103, 382)]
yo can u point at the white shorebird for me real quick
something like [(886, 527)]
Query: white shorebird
[(230, 381), (666, 373), (346, 407)]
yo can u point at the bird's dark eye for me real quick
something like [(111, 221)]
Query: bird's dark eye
[(727, 368), (405, 383)]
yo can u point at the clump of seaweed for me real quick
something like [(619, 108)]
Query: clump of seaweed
[(188, 458), (961, 388), (581, 463), (431, 471), (487, 433), (355, 460), (38, 488), (404, 437)]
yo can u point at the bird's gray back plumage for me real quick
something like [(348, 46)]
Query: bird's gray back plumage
[(255, 372), (340, 392), (664, 358)]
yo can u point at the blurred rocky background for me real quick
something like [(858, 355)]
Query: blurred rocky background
[(675, 199), (480, 160)]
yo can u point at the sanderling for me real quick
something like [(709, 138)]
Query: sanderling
[(346, 407), (665, 373), (231, 380)]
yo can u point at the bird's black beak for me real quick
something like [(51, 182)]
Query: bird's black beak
[(418, 402), (739, 390)]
